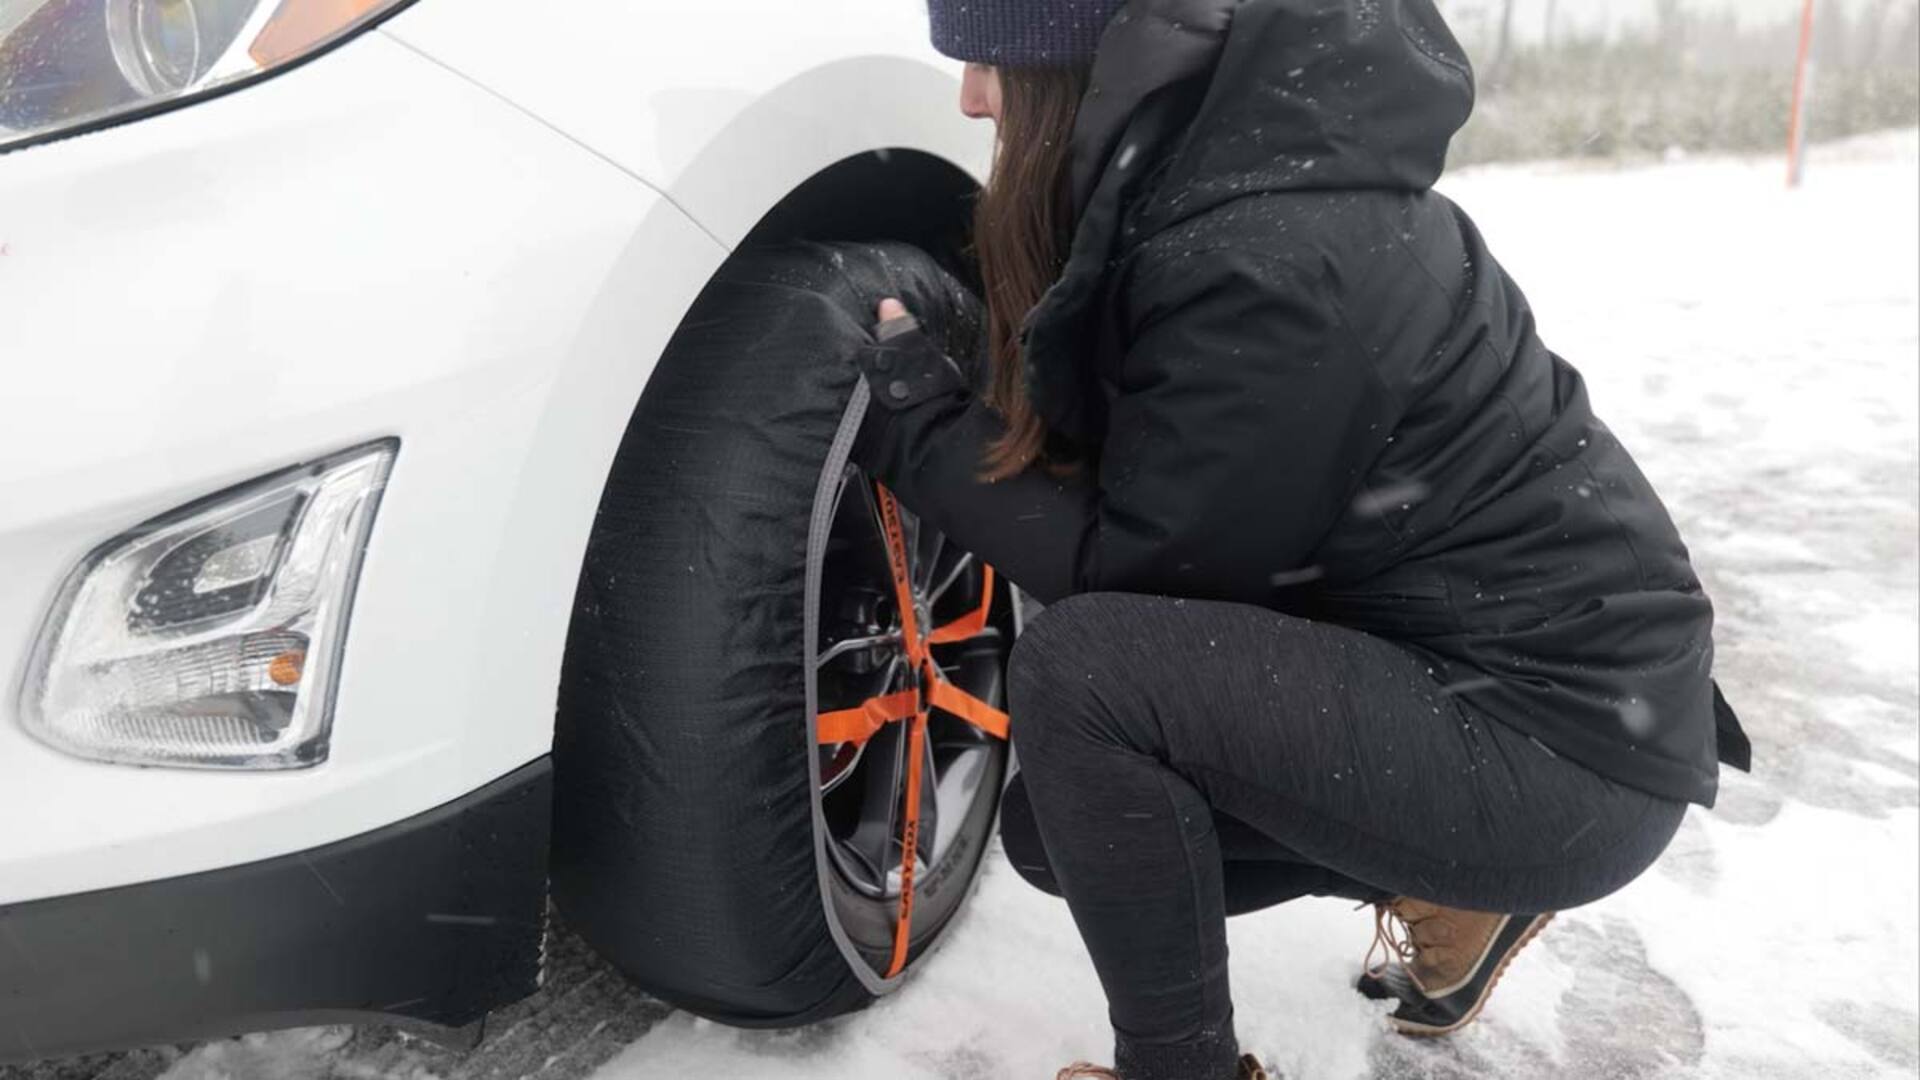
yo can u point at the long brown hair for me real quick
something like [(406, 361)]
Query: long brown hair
[(1022, 226)]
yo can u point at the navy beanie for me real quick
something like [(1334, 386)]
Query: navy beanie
[(1020, 33)]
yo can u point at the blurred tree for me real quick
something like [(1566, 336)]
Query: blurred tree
[(1869, 27), (1503, 51), (1602, 78)]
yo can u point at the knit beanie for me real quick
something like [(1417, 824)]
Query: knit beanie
[(1020, 33)]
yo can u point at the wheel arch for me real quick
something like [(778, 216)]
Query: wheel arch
[(903, 195), (898, 194), (813, 153), (879, 194)]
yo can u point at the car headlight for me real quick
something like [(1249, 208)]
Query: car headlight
[(211, 636), (67, 65)]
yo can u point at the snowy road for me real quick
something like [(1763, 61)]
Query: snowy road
[(1758, 351)]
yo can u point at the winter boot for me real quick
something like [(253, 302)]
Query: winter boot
[(1249, 1069), (1442, 963)]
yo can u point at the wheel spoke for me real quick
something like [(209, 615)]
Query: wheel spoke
[(929, 802), (975, 666), (959, 567), (852, 761), (959, 785), (857, 526), (896, 665), (987, 634), (875, 841), (855, 644), (923, 581)]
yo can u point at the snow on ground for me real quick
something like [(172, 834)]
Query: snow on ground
[(1758, 350)]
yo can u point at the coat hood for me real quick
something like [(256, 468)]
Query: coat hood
[(1215, 100)]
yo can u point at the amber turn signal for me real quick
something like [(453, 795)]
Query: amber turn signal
[(286, 669)]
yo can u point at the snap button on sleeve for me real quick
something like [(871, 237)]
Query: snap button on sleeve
[(904, 367)]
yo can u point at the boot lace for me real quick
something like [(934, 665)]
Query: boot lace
[(1394, 937)]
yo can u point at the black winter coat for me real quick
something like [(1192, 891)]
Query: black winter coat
[(1299, 379)]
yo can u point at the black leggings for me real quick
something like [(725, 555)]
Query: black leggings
[(1182, 760)]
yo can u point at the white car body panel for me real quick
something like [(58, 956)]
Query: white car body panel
[(423, 234), (715, 104)]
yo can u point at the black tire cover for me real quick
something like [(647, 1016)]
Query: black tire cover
[(685, 845)]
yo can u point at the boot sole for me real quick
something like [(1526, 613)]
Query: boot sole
[(1420, 1030)]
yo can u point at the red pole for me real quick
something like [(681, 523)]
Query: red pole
[(1797, 123)]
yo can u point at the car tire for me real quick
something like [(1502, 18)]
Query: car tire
[(704, 842)]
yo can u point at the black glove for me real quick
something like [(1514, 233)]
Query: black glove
[(926, 437), (904, 369)]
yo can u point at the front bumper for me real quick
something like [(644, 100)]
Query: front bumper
[(437, 919)]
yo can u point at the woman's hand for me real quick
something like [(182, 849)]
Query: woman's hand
[(894, 312), (903, 368)]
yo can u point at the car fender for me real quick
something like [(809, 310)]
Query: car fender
[(723, 108)]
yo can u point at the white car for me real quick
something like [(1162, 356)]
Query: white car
[(323, 328)]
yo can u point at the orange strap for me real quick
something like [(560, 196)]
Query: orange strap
[(942, 694), (858, 724), (917, 733), (909, 843), (971, 624)]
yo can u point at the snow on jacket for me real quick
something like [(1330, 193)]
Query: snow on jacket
[(1299, 379)]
